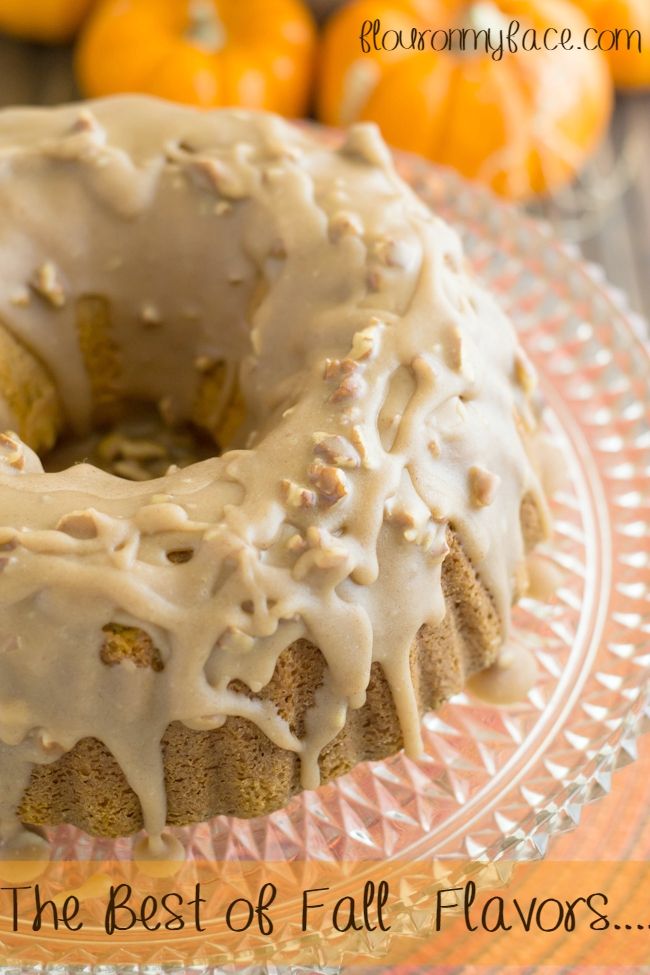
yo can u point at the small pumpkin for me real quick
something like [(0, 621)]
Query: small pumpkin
[(523, 124), (630, 68), (201, 52), (48, 21)]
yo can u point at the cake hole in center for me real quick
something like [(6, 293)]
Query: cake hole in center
[(139, 446)]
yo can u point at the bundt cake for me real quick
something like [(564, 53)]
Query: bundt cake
[(220, 636)]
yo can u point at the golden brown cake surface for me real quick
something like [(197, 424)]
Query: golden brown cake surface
[(216, 639)]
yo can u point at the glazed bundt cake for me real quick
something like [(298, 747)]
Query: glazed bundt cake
[(217, 638)]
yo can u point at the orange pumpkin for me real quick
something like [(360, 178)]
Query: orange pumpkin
[(523, 124), (51, 21), (202, 52), (630, 68)]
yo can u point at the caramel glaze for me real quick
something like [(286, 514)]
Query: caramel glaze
[(386, 399)]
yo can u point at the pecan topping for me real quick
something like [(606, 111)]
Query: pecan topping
[(524, 372), (373, 280), (11, 451), (46, 282), (456, 352), (358, 439), (330, 483), (85, 122), (209, 172), (363, 142), (483, 486), (297, 496), (204, 364), (150, 315), (391, 253), (364, 344), (335, 450), (338, 368), (345, 372), (396, 514), (343, 224), (349, 388)]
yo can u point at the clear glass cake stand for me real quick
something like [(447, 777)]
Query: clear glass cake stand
[(501, 782)]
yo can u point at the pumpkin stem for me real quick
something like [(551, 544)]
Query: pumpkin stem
[(205, 28), (480, 15), (484, 15)]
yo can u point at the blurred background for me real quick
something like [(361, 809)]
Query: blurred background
[(564, 133)]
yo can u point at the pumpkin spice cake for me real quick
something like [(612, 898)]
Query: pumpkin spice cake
[(180, 642)]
